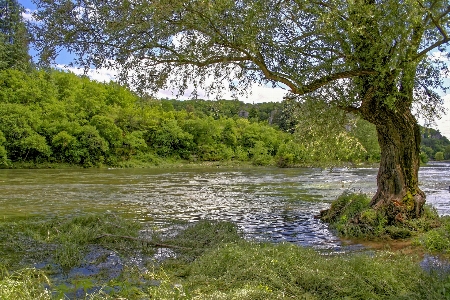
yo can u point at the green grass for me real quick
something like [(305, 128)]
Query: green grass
[(64, 239), (352, 217), (212, 262), (438, 239), (248, 270), (27, 283)]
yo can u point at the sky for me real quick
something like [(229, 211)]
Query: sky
[(258, 93)]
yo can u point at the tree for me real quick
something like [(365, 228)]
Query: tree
[(439, 156), (447, 152), (366, 57), (13, 37)]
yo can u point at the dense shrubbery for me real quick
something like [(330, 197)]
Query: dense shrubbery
[(58, 117)]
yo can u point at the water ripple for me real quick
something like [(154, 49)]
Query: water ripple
[(267, 203)]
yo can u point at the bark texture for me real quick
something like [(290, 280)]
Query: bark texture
[(398, 194)]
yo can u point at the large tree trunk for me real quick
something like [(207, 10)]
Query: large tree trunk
[(398, 194)]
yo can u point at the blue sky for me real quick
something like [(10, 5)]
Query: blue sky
[(259, 93)]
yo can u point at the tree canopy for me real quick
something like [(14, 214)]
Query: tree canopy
[(14, 37), (302, 45), (58, 117), (368, 57)]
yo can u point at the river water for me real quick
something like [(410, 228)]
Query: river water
[(266, 203)]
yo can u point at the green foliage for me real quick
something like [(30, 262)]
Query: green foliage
[(35, 143), (439, 156), (290, 154), (262, 271), (370, 58), (14, 37), (259, 154), (268, 47), (423, 158), (133, 144), (93, 144), (67, 147), (64, 240), (366, 134), (351, 215), (59, 117), (170, 140), (229, 135), (212, 262), (204, 235), (331, 135), (3, 152), (447, 152), (434, 142), (26, 283), (438, 239)]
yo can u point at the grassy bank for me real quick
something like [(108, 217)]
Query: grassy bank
[(160, 164), (109, 257)]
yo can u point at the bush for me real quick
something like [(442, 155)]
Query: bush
[(439, 156), (3, 157), (424, 157), (260, 155), (437, 239), (240, 153), (290, 154)]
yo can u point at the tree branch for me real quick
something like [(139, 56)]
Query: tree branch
[(429, 48), (316, 84), (441, 30), (273, 76)]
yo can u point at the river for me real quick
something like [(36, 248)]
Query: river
[(267, 203)]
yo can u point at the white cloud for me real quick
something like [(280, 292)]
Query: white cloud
[(258, 93), (27, 15), (265, 94), (101, 75), (442, 56)]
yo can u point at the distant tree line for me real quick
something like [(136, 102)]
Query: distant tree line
[(58, 117), (55, 116), (292, 117), (434, 145)]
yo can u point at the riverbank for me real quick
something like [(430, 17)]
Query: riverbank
[(161, 164), (58, 236), (106, 256)]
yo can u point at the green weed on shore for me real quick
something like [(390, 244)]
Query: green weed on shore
[(205, 260)]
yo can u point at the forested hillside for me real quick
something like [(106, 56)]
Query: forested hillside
[(58, 117), (434, 144)]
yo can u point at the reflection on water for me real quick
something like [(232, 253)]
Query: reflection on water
[(267, 203)]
